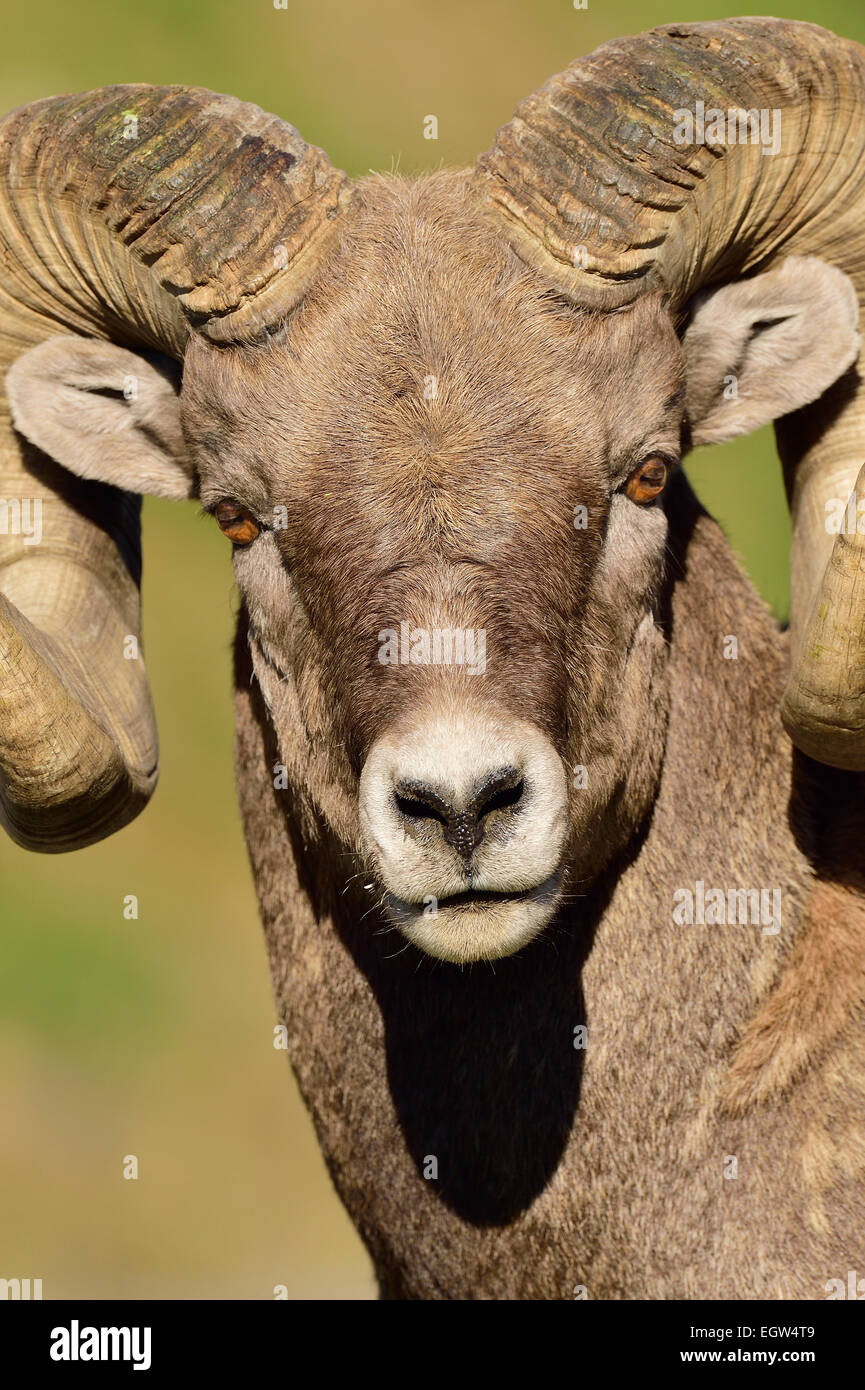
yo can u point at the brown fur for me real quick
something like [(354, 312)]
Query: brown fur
[(820, 995)]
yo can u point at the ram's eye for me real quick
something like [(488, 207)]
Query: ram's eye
[(236, 522), (648, 480)]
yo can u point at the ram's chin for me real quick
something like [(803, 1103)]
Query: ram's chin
[(477, 925)]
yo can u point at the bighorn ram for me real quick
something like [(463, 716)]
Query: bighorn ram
[(441, 419)]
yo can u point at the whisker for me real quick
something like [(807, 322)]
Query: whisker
[(398, 953)]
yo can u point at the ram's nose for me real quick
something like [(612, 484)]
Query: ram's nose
[(461, 815), (460, 801)]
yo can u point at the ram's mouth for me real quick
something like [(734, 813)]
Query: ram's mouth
[(480, 898), (479, 924)]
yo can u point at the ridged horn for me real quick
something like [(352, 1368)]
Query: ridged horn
[(136, 214), (592, 187)]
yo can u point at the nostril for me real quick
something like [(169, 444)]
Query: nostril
[(502, 798), (417, 803)]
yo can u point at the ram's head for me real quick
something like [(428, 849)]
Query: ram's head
[(440, 422)]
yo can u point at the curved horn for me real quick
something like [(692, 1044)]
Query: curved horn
[(594, 190), (135, 214)]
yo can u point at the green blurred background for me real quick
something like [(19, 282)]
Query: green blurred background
[(154, 1037)]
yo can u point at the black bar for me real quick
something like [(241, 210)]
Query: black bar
[(240, 1337)]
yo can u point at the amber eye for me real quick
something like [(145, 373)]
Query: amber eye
[(648, 480), (236, 522)]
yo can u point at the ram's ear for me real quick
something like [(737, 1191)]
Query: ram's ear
[(757, 349), (103, 413)]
